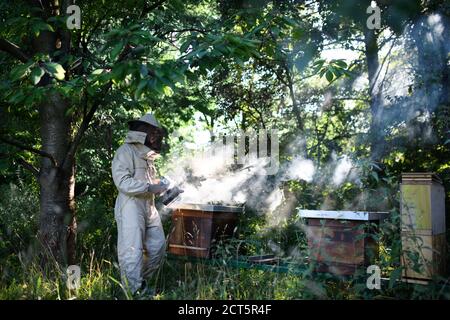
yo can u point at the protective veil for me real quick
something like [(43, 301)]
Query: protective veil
[(141, 240)]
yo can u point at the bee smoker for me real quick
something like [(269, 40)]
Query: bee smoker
[(171, 194)]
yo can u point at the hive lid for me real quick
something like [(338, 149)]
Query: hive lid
[(206, 207), (420, 177), (342, 215)]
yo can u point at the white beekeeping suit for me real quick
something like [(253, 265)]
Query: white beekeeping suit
[(141, 240)]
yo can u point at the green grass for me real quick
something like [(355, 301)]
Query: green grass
[(98, 281), (184, 281), (177, 279)]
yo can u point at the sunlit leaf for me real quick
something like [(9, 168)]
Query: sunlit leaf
[(20, 71), (36, 75), (56, 70)]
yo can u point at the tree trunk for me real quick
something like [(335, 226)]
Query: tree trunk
[(57, 184), (433, 69), (376, 135), (295, 107), (57, 230)]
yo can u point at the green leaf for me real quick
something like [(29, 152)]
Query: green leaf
[(17, 97), (297, 34), (375, 176), (319, 62), (340, 63), (97, 72), (36, 75), (290, 22), (329, 75), (168, 91), (4, 165), (41, 26), (322, 72), (91, 91), (337, 72), (185, 45), (56, 70), (141, 86), (395, 275), (143, 71), (21, 71), (275, 30), (119, 72), (116, 50)]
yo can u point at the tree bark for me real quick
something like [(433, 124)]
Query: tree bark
[(57, 184), (57, 229), (295, 107), (376, 136)]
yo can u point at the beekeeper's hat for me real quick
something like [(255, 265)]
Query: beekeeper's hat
[(148, 119)]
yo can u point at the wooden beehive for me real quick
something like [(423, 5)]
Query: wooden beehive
[(341, 242), (423, 226), (196, 227)]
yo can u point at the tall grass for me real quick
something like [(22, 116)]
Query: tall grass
[(179, 279), (22, 277), (98, 281)]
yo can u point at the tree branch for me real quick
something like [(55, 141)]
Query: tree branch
[(192, 29), (388, 55), (90, 115), (29, 167), (33, 150), (150, 8), (85, 40), (13, 50), (85, 125)]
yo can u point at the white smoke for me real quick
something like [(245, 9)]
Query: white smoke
[(342, 171), (300, 169), (209, 176), (412, 78)]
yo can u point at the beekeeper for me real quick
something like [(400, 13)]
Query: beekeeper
[(141, 240)]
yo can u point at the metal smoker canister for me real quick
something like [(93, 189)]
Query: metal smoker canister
[(170, 195)]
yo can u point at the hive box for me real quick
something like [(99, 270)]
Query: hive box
[(423, 255), (340, 242), (423, 226), (195, 227)]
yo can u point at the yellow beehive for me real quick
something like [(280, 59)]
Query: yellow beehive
[(423, 226)]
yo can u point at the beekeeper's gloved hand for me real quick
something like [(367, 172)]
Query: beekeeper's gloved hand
[(158, 188)]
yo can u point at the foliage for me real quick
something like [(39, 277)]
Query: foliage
[(224, 66)]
